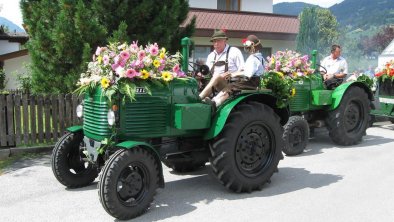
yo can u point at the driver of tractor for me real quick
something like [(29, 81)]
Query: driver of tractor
[(222, 59), (334, 66), (247, 78)]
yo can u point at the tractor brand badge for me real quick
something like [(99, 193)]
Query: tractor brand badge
[(300, 82), (140, 90)]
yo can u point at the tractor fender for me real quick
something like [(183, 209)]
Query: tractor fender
[(224, 111), (131, 144), (341, 90), (74, 129)]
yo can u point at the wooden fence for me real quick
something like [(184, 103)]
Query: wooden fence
[(29, 120)]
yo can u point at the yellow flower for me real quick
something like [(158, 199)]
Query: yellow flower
[(162, 55), (105, 83), (293, 92), (167, 76), (163, 50), (144, 74), (280, 74), (156, 63), (99, 59)]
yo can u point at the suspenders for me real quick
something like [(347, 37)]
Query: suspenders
[(225, 62)]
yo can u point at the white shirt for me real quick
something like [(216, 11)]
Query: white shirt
[(253, 65), (235, 60), (334, 66)]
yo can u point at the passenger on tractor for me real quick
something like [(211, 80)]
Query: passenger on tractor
[(248, 77), (334, 68)]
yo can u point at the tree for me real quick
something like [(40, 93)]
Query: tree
[(64, 33), (318, 30)]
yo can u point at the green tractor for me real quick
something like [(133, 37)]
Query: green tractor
[(384, 101), (242, 140), (344, 111)]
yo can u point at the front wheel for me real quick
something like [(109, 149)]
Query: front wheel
[(296, 135), (247, 151), (347, 124), (67, 164), (128, 183)]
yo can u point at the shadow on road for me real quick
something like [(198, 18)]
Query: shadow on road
[(180, 197)]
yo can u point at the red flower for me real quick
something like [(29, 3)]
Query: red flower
[(379, 74), (392, 72), (244, 40)]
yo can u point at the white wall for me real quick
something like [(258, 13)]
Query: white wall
[(257, 6), (7, 47), (246, 5), (14, 66), (383, 59), (211, 4)]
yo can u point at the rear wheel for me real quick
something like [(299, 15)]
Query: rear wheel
[(67, 164), (296, 135), (247, 151), (128, 183), (347, 124)]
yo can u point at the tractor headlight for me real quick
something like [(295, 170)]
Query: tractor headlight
[(111, 117), (79, 110)]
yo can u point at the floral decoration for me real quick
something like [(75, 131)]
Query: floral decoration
[(283, 68), (387, 72), (123, 67)]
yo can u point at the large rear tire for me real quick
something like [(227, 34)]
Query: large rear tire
[(347, 124), (67, 164), (296, 135), (128, 183), (247, 151)]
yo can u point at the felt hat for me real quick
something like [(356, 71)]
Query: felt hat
[(219, 34)]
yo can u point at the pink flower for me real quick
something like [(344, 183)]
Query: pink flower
[(180, 74), (131, 73), (161, 68), (176, 68), (124, 55), (98, 50), (154, 49), (141, 54), (139, 64), (106, 59), (114, 66), (134, 47)]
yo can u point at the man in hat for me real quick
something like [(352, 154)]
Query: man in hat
[(223, 59)]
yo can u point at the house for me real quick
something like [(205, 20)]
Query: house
[(13, 56), (386, 55), (240, 18)]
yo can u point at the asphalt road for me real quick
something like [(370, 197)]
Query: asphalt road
[(326, 183)]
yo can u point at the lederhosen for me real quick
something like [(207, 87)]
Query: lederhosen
[(243, 83)]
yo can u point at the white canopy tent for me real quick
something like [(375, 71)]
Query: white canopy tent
[(387, 54)]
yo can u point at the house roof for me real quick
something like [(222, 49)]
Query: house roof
[(240, 24), (389, 50), (12, 55), (15, 37)]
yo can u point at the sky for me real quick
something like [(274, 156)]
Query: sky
[(10, 8)]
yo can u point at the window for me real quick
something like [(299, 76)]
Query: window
[(229, 5), (201, 53)]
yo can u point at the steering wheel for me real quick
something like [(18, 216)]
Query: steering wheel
[(324, 71)]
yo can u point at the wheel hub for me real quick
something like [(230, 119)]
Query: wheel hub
[(252, 150), (352, 116), (130, 185)]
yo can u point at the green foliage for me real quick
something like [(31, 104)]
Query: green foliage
[(24, 82), (64, 33), (280, 85), (366, 80), (318, 30)]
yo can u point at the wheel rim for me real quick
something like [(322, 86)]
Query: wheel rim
[(76, 164), (353, 117), (254, 149), (132, 184), (296, 137)]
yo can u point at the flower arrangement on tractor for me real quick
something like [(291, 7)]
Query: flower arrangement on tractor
[(122, 67), (283, 68)]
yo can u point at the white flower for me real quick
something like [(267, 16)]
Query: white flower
[(247, 43)]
